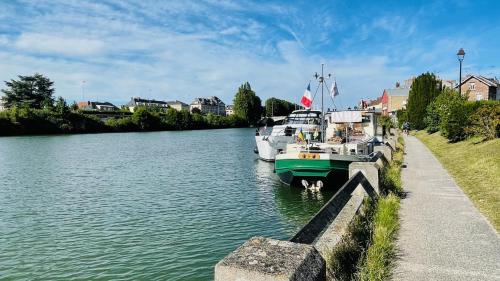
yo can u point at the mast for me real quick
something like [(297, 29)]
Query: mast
[(322, 110), (321, 79)]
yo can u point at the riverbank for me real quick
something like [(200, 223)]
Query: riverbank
[(22, 121), (474, 165)]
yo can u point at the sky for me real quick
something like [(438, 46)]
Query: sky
[(180, 50)]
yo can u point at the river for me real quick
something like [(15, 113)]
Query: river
[(138, 206)]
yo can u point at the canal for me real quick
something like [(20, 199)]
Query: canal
[(138, 206)]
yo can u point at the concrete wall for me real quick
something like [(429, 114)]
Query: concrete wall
[(303, 257)]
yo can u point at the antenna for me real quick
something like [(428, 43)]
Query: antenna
[(83, 90)]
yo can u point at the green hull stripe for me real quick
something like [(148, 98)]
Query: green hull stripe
[(310, 168)]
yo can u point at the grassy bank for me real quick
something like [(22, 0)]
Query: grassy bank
[(368, 249), (475, 166)]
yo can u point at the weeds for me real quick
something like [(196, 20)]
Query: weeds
[(367, 250)]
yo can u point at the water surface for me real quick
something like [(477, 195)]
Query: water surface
[(138, 206)]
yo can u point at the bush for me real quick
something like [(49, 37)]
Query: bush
[(453, 114), (386, 123), (402, 116), (485, 121)]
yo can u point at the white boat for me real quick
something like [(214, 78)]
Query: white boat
[(271, 142), (350, 137)]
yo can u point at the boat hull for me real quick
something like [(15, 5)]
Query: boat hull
[(293, 170)]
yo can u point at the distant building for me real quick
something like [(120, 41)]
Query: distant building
[(230, 110), (371, 104), (135, 102), (478, 87), (394, 99), (207, 105), (95, 105), (178, 105), (449, 83)]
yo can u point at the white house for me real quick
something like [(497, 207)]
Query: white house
[(136, 101), (209, 105)]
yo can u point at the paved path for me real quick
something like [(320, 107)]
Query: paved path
[(443, 236)]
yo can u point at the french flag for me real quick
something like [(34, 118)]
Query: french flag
[(306, 100)]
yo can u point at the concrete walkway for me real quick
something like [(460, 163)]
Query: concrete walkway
[(443, 236)]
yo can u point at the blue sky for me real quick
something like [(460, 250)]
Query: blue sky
[(185, 49)]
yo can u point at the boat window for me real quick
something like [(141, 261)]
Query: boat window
[(303, 118)]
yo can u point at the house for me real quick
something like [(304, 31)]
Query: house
[(449, 83), (230, 110), (178, 105), (394, 99), (478, 87), (209, 105), (371, 104), (137, 101), (2, 104), (95, 105)]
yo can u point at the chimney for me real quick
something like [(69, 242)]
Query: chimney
[(397, 84)]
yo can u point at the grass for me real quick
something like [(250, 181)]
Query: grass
[(368, 250), (382, 250), (475, 166), (343, 259)]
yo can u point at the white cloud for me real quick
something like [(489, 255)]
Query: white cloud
[(58, 45)]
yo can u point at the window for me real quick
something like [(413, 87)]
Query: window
[(479, 97), (472, 86)]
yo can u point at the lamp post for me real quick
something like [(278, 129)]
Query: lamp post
[(460, 55)]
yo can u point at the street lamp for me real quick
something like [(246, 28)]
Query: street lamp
[(460, 55)]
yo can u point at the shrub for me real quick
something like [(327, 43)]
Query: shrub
[(453, 114), (485, 121), (432, 119)]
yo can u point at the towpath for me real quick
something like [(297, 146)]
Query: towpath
[(442, 236)]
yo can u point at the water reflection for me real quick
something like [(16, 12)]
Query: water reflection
[(294, 204)]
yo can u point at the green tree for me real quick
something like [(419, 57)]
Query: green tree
[(247, 105), (29, 91), (432, 119), (453, 114), (61, 107), (278, 107), (145, 119), (424, 90)]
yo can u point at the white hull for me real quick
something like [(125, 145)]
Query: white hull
[(270, 146)]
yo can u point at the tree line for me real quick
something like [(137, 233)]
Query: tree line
[(436, 108), (33, 109)]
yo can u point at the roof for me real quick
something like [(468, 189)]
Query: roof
[(94, 104), (401, 92), (488, 81), (176, 102), (208, 101), (134, 101)]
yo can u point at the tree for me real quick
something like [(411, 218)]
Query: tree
[(29, 91), (453, 114), (61, 106), (424, 90), (196, 110), (278, 107), (247, 105)]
